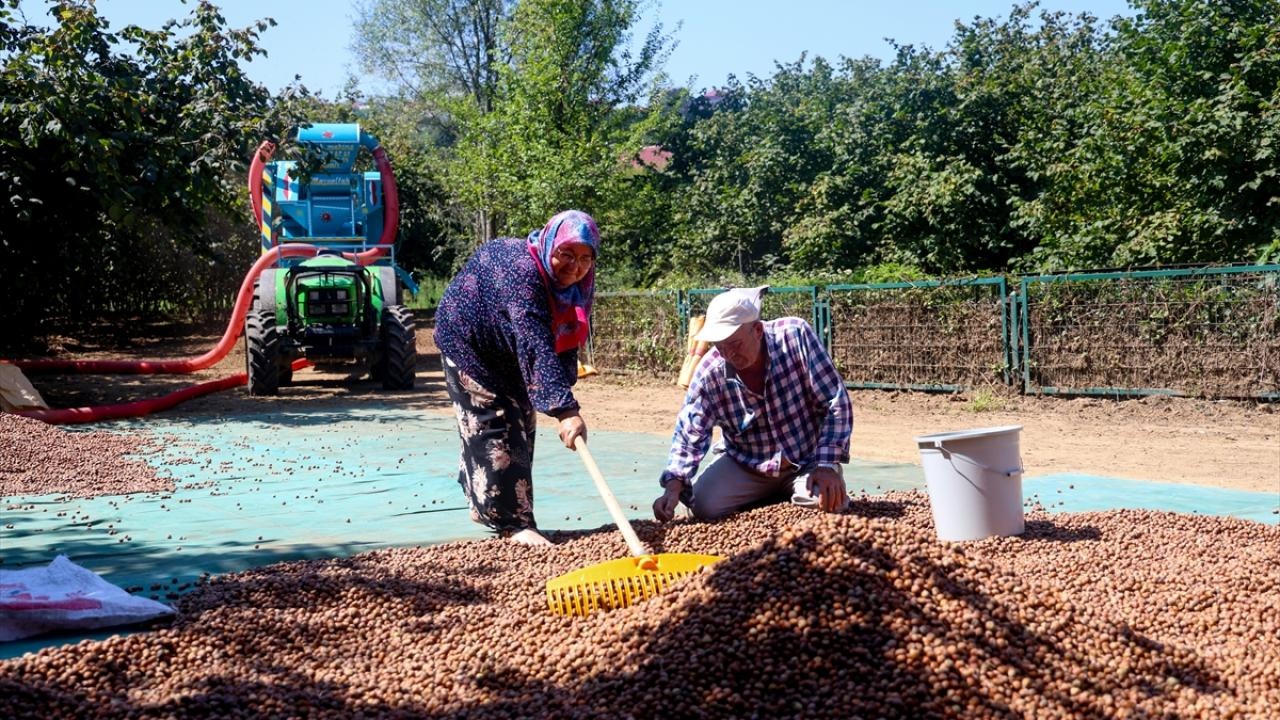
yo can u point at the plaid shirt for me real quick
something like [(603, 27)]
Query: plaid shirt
[(803, 419)]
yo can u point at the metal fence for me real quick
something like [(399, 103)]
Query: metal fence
[(638, 332), (921, 335), (1212, 332)]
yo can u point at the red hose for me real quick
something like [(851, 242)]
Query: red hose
[(260, 158), (391, 199), (245, 296), (180, 365), (98, 413)]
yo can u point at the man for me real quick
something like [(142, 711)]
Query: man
[(782, 409)]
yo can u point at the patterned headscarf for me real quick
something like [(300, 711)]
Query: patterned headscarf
[(571, 306)]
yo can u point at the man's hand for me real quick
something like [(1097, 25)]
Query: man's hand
[(664, 508), (572, 426), (827, 485)]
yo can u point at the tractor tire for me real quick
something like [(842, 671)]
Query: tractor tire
[(398, 349), (264, 291), (262, 352), (392, 292), (266, 300)]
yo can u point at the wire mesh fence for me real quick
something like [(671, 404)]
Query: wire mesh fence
[(638, 332), (1206, 333), (925, 335)]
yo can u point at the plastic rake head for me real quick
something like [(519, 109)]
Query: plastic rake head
[(622, 582)]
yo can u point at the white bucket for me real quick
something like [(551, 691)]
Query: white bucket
[(975, 482)]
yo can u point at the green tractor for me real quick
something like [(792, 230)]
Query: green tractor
[(335, 296)]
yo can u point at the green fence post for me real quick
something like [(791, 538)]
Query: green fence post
[(815, 312), (682, 311), (1024, 322), (1005, 327), (822, 314)]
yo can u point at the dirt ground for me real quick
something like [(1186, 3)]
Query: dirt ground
[(1214, 443)]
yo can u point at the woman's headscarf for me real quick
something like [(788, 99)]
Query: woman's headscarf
[(570, 307)]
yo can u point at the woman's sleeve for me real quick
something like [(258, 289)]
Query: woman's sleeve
[(548, 376)]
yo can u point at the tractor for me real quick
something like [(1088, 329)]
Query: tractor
[(335, 296)]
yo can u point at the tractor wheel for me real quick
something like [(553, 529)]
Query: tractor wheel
[(398, 349), (262, 352)]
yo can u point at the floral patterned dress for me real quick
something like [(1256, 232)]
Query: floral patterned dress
[(493, 328)]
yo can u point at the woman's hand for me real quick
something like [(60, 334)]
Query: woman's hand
[(572, 426)]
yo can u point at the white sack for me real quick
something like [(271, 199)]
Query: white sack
[(65, 596)]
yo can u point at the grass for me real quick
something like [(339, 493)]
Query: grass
[(428, 296), (986, 401)]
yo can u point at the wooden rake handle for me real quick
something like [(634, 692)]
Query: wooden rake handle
[(636, 547)]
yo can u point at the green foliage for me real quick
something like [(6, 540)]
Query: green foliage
[(748, 163), (557, 136), (109, 156), (891, 273), (955, 180), (985, 400), (1043, 143), (1040, 142), (1165, 152), (434, 50), (430, 290), (520, 110)]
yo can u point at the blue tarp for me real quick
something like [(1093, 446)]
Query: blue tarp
[(299, 483), (1074, 492)]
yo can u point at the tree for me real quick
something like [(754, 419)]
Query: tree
[(751, 162), (954, 184), (116, 166), (438, 49), (443, 57), (559, 134), (1168, 153)]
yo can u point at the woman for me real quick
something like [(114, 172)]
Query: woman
[(509, 327)]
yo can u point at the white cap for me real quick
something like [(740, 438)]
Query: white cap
[(730, 310)]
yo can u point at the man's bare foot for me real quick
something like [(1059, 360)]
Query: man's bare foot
[(529, 536)]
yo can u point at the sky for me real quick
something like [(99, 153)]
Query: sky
[(717, 38)]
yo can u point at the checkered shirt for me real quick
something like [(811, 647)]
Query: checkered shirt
[(804, 418)]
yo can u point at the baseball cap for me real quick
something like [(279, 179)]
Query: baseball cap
[(730, 310)]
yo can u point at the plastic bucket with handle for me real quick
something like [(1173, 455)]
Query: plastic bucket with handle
[(974, 479)]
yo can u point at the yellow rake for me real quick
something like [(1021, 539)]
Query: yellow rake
[(625, 581)]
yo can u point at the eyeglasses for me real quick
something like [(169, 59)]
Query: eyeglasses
[(568, 257)]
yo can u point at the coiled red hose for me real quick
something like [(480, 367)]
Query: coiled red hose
[(98, 413), (234, 325), (245, 296)]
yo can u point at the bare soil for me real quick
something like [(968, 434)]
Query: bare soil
[(1216, 443)]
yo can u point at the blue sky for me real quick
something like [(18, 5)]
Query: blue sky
[(718, 37)]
